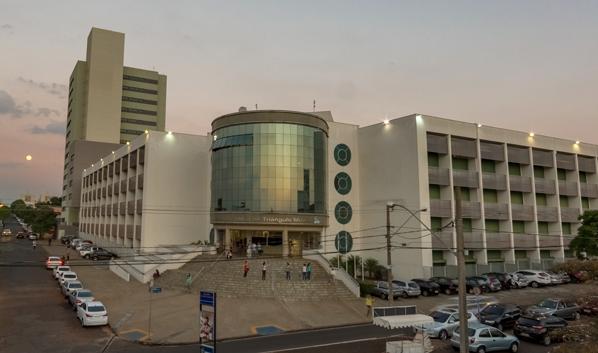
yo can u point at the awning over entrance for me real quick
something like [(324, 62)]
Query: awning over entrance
[(399, 321)]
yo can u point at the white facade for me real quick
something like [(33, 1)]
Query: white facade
[(152, 192)]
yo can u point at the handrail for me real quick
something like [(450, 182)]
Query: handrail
[(336, 272)]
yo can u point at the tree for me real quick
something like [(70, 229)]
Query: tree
[(16, 204), (587, 234), (55, 201), (44, 219), (4, 213), (371, 266)]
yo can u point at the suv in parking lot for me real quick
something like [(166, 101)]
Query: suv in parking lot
[(445, 321), (407, 289), (500, 315), (101, 254), (538, 328), (427, 287), (447, 285), (536, 278), (381, 290)]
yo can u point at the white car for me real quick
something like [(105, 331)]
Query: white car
[(53, 261), (536, 278), (79, 296), (56, 272), (67, 276), (82, 244), (87, 250), (74, 242), (92, 314), (33, 236), (70, 286)]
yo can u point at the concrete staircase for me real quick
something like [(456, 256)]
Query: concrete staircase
[(226, 278)]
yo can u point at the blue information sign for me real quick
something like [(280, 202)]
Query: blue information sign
[(156, 289), (207, 322), (206, 298)]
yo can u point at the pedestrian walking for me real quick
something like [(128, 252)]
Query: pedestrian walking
[(245, 268), (264, 271), (34, 243), (369, 303), (304, 272), (308, 269), (49, 241), (68, 257), (288, 271), (260, 251), (253, 249), (188, 282), (156, 275), (248, 251), (229, 254)]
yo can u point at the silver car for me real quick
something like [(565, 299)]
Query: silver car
[(407, 288), (445, 322), (76, 297), (70, 286)]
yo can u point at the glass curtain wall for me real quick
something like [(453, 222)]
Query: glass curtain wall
[(269, 167)]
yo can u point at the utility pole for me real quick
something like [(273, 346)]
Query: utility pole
[(389, 207), (463, 335)]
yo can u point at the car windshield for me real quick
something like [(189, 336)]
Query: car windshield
[(493, 310), (63, 268), (75, 285), (439, 316), (412, 285), (95, 308), (70, 276), (547, 303), (84, 294)]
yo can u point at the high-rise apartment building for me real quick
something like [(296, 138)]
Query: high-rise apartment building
[(109, 104)]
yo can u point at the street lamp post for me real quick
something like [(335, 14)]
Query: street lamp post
[(389, 207)]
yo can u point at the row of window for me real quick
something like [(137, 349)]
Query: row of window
[(138, 122), (493, 226), (131, 132), (138, 111), (140, 79), (140, 90), (115, 167), (139, 100)]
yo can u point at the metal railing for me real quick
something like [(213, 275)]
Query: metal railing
[(336, 272)]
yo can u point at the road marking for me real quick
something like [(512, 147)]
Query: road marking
[(332, 344), (122, 320), (299, 332)]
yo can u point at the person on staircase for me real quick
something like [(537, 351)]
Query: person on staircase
[(264, 268), (304, 272), (309, 268), (245, 268), (288, 271)]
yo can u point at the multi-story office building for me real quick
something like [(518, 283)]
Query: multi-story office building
[(296, 182), (108, 103)]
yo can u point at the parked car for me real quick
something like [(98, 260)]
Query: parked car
[(427, 287), (475, 285), (7, 232), (69, 286), (92, 314), (407, 288), (66, 276), (475, 303), (503, 278), (74, 242), (484, 338), (445, 322), (554, 278), (579, 276), (66, 239), (447, 285), (565, 278), (589, 305), (556, 307), (500, 315), (80, 245), (538, 328), (101, 254), (536, 278), (58, 270), (79, 296), (54, 261), (87, 250), (381, 290), (33, 236), (20, 235), (493, 283), (518, 280)]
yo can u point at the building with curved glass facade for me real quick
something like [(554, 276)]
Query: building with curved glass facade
[(268, 183)]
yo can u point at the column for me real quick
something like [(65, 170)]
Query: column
[(227, 238), (285, 243)]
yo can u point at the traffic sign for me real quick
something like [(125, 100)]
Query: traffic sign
[(156, 290)]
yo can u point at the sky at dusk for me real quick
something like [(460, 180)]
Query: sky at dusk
[(524, 65)]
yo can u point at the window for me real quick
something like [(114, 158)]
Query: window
[(492, 225), (139, 122), (138, 111), (343, 212), (566, 228), (538, 172), (543, 228), (488, 166), (541, 199), (562, 174), (131, 132), (141, 90), (583, 177), (342, 154), (585, 203), (490, 196), (521, 254), (434, 192), (564, 201), (435, 223), (519, 227), (465, 194), (460, 163), (467, 225), (517, 197), (485, 333), (437, 256), (514, 169), (545, 254), (140, 79), (433, 159), (496, 333)]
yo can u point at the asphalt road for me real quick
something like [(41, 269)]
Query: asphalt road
[(34, 317)]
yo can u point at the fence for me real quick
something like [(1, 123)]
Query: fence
[(395, 310), (338, 273)]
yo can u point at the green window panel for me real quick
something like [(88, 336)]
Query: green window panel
[(517, 197), (543, 228), (490, 196), (519, 227), (569, 254), (438, 256), (585, 203), (492, 226), (342, 154), (494, 255), (488, 166), (467, 225), (583, 177), (433, 159), (434, 192), (538, 172), (465, 194), (521, 254), (460, 163), (566, 228), (545, 254), (541, 200), (469, 257), (435, 223), (564, 201), (514, 169), (562, 174)]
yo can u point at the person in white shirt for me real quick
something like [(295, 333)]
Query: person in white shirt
[(264, 271)]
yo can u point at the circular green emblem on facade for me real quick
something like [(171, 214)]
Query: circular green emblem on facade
[(342, 183), (343, 242), (343, 212), (342, 154)]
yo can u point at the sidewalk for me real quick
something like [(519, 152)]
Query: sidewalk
[(175, 314)]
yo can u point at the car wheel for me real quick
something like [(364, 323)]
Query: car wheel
[(482, 349), (443, 335), (404, 295), (448, 291), (425, 293), (82, 323), (514, 347), (385, 296), (546, 340), (95, 258), (534, 284), (576, 316)]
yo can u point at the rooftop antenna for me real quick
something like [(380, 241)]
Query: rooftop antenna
[(314, 105)]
